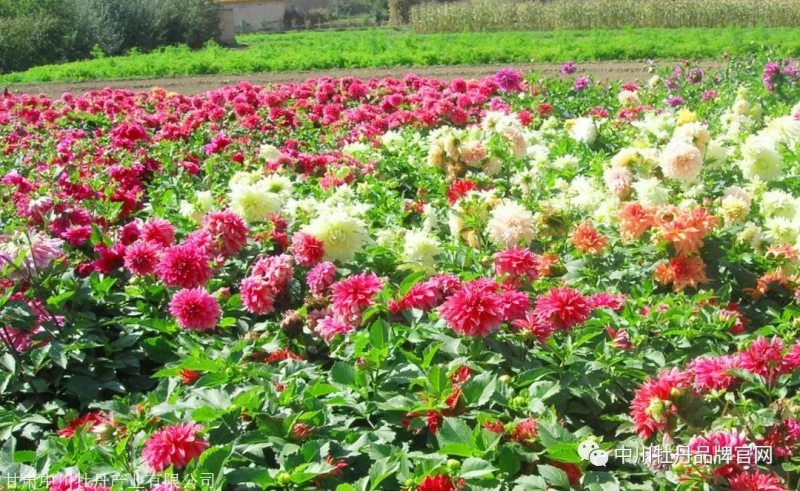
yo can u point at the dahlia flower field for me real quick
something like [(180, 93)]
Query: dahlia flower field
[(503, 284)]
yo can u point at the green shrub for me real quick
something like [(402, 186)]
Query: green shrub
[(20, 8), (400, 11), (190, 22), (116, 26), (39, 32), (30, 40)]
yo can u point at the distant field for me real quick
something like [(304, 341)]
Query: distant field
[(375, 48), (558, 15)]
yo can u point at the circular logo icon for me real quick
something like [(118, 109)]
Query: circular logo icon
[(586, 447), (598, 458)]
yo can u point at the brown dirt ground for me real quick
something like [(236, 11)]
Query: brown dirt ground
[(606, 70)]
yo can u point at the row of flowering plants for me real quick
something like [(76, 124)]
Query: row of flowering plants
[(504, 284)]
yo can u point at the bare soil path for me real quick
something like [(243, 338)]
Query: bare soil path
[(604, 70)]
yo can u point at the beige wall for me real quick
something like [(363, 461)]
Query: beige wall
[(303, 6), (258, 16), (227, 26)]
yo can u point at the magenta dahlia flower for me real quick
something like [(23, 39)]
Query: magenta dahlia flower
[(195, 309), (174, 445), (475, 310)]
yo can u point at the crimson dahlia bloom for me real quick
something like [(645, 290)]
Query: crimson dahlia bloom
[(321, 277), (354, 294), (508, 80), (756, 481), (158, 230), (518, 264), (765, 358), (257, 295), (437, 483), (275, 270), (90, 419), (184, 266), (564, 307), (526, 432), (423, 296), (307, 249), (536, 325), (474, 310), (195, 309), (459, 189), (515, 305), (712, 373), (228, 231), (329, 327), (141, 257), (653, 401), (174, 445)]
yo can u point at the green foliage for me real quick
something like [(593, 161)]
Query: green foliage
[(17, 8), (399, 397), (392, 47), (116, 26), (41, 32), (400, 11), (189, 22), (30, 40), (552, 15)]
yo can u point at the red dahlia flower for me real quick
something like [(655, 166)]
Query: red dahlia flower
[(475, 310), (174, 445)]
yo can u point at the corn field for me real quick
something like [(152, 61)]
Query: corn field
[(538, 15)]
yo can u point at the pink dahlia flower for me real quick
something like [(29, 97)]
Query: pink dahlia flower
[(195, 309), (184, 266), (354, 294), (141, 258), (475, 310), (228, 231), (307, 249), (321, 277), (158, 230), (564, 307), (257, 295), (174, 445)]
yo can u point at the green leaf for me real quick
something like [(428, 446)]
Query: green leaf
[(7, 452), (212, 380), (564, 452), (554, 476), (58, 300), (473, 468), (479, 390), (600, 481), (212, 461), (410, 281), (438, 382), (508, 461), (379, 334), (380, 471), (320, 390), (344, 374), (256, 476), (56, 352), (201, 365), (551, 434), (455, 438), (530, 483), (206, 413)]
